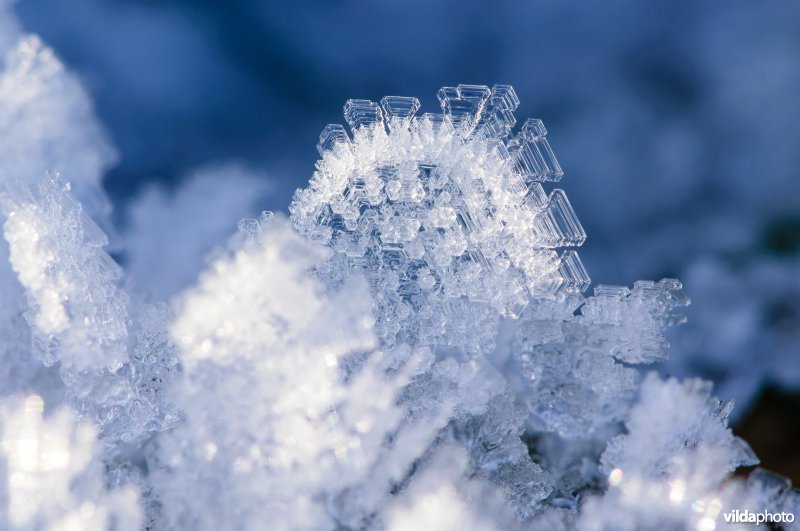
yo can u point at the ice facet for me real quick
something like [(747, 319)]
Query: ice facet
[(464, 104), (420, 356), (572, 271), (333, 135), (558, 225), (361, 113), (402, 107)]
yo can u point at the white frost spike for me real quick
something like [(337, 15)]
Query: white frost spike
[(53, 475), (442, 213), (693, 495), (670, 420), (282, 425), (667, 472), (78, 314)]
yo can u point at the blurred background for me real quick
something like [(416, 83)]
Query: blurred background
[(677, 124)]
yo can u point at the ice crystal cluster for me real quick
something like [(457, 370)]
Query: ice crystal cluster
[(412, 350), (430, 208)]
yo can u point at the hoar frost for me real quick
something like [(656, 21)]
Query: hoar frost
[(416, 352)]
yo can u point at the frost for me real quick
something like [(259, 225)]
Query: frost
[(668, 470), (47, 125), (774, 493), (269, 350), (691, 496), (78, 315), (432, 208), (442, 498), (571, 355), (50, 474), (412, 351), (658, 435)]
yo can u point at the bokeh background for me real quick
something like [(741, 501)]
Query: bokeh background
[(677, 123)]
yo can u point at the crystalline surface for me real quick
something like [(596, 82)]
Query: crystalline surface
[(269, 350), (569, 354), (442, 215), (442, 498), (667, 471), (774, 493), (671, 419), (47, 125), (498, 453), (77, 312), (79, 316)]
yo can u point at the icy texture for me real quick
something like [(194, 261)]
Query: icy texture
[(47, 125), (493, 440), (464, 383), (163, 252), (50, 474), (670, 420), (79, 317), (629, 323), (692, 495), (445, 213), (77, 313), (774, 493), (667, 472), (625, 95), (567, 355), (263, 346)]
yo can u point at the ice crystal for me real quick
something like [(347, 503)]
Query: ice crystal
[(156, 233), (444, 498), (47, 125), (667, 471), (774, 493), (569, 354), (270, 350), (656, 436), (79, 316), (445, 213), (56, 251)]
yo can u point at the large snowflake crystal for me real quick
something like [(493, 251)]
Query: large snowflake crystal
[(445, 213)]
